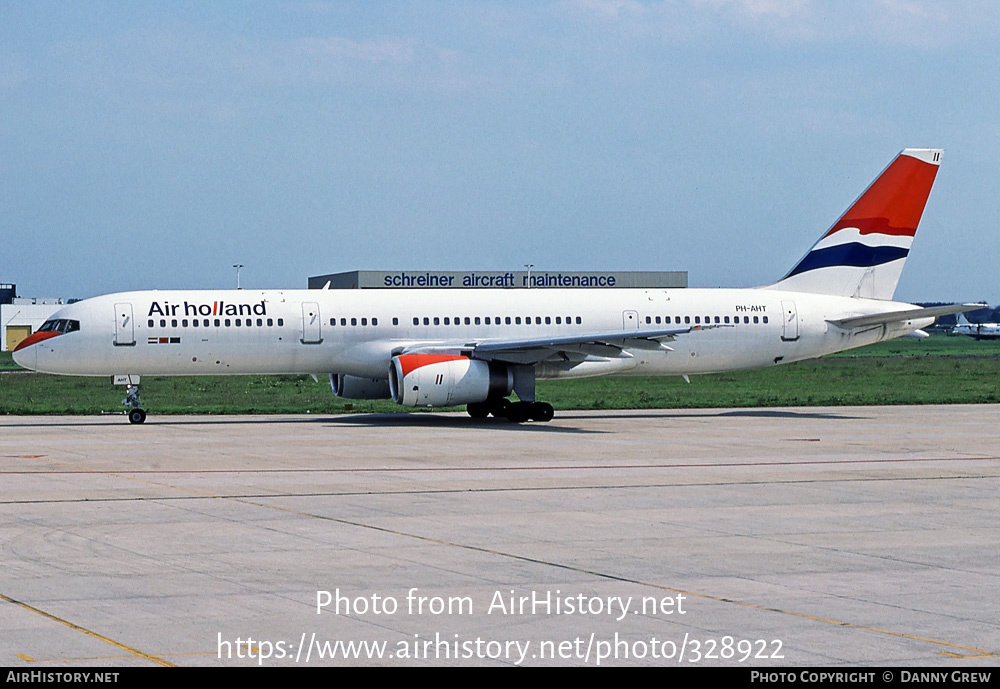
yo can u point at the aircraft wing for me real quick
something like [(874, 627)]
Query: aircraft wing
[(532, 350), (904, 315)]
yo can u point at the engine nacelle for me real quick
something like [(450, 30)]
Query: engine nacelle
[(357, 388), (443, 380)]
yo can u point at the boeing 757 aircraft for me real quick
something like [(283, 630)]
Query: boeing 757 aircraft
[(437, 348)]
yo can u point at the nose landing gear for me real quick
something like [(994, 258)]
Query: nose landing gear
[(136, 414)]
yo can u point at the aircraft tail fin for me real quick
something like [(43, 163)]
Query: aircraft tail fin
[(863, 254)]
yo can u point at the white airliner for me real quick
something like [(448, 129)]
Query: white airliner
[(980, 331), (436, 348)]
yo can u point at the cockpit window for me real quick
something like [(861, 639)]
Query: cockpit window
[(61, 325)]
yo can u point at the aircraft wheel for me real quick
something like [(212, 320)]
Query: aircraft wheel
[(478, 410), (519, 412), (499, 407), (542, 411), (136, 416)]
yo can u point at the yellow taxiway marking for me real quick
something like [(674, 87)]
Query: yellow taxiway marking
[(100, 637), (95, 659)]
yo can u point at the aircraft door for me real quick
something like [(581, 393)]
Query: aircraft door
[(311, 323), (790, 322), (630, 320), (124, 327)]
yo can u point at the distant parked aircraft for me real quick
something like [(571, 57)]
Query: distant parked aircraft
[(980, 331)]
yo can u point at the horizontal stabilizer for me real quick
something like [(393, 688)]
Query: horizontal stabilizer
[(905, 315)]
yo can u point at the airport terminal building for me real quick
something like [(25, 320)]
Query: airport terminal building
[(486, 279)]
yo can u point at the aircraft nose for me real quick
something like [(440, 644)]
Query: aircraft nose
[(24, 359), (25, 354)]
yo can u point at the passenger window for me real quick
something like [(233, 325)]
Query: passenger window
[(281, 321), (163, 322), (765, 319), (194, 322), (364, 321), (374, 321), (579, 321), (150, 323)]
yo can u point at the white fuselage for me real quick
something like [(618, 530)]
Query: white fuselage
[(357, 332), (980, 331)]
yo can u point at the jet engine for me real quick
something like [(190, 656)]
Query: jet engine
[(358, 388), (442, 380)]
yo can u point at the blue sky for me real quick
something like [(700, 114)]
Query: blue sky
[(152, 145)]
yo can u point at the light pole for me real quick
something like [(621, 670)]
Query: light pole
[(237, 266), (529, 266)]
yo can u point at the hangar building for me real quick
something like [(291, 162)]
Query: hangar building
[(486, 279)]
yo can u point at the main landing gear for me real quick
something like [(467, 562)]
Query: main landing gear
[(136, 414), (517, 412)]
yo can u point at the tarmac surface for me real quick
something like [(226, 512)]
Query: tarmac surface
[(769, 538)]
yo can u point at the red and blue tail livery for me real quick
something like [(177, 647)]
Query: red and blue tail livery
[(862, 255)]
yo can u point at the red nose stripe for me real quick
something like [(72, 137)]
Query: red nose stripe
[(35, 338)]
